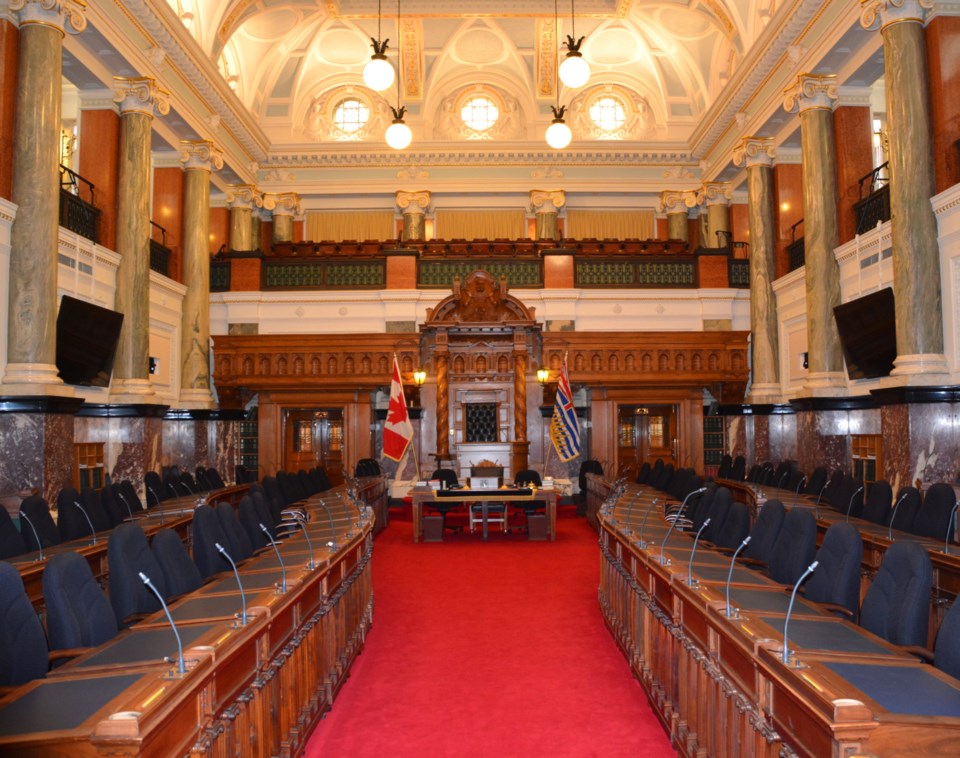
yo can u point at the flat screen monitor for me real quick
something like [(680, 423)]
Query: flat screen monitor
[(87, 337), (868, 334)]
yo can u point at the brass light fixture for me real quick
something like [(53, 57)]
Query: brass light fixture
[(574, 70), (378, 74)]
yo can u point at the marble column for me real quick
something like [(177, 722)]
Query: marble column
[(442, 358), (716, 196), (255, 221), (34, 240), (916, 251), (131, 368), (546, 208), (198, 159), (284, 206), (676, 206), (413, 207), (242, 199), (758, 154), (814, 97)]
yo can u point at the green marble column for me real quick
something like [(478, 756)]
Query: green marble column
[(413, 208), (758, 154), (198, 159), (546, 207), (716, 196), (813, 97), (676, 206), (32, 308), (131, 368), (284, 206), (913, 224), (242, 199)]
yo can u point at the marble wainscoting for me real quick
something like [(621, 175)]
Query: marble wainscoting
[(921, 442), (223, 447), (783, 437), (132, 445), (37, 453), (820, 443), (736, 430)]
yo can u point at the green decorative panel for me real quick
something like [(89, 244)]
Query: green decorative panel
[(667, 274), (739, 273), (366, 275), (220, 276), (440, 274), (289, 276), (659, 273), (605, 274)]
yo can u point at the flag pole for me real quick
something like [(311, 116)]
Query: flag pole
[(416, 459)]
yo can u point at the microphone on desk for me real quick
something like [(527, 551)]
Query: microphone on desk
[(302, 523), (676, 518), (129, 509), (803, 481), (733, 561), (332, 544), (283, 569), (780, 483), (181, 668), (643, 522), (626, 527), (36, 536), (946, 539), (156, 497), (243, 597), (189, 488), (893, 516), (340, 496), (850, 504), (793, 596), (816, 507), (693, 551), (89, 522)]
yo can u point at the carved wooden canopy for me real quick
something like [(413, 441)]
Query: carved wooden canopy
[(480, 299)]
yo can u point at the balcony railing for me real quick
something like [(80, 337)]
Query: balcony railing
[(795, 250), (873, 207), (77, 210), (159, 252)]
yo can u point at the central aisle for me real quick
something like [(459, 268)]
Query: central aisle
[(495, 649)]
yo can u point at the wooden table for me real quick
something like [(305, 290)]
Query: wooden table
[(427, 497)]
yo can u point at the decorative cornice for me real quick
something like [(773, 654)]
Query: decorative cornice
[(140, 95), (202, 155), (413, 202), (547, 201), (63, 15), (754, 151), (244, 196), (122, 410), (282, 203), (858, 403), (916, 395), (883, 13), (811, 92), (45, 404)]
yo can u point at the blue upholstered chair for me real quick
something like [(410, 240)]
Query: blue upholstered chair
[(794, 548), (39, 514), (836, 582), (23, 646), (239, 545), (765, 531), (879, 500), (897, 604), (180, 573), (11, 543), (78, 613), (207, 532), (127, 555)]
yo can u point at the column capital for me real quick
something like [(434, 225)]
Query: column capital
[(413, 201), (282, 203), (244, 196), (754, 151), (139, 95), (810, 92), (546, 201), (714, 193), (63, 15), (672, 201), (200, 154), (882, 13)]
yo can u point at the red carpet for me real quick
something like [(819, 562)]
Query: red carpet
[(495, 649)]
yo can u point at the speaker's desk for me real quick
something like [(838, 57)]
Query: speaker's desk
[(426, 497)]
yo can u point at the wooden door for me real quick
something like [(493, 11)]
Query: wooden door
[(645, 433), (314, 437)]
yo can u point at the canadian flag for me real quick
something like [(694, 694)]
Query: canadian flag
[(397, 431)]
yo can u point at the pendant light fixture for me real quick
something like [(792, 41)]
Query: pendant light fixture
[(558, 134), (398, 134), (378, 74), (574, 70)]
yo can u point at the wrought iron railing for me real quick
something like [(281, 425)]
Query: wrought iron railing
[(874, 207), (647, 272), (795, 250), (219, 276), (159, 252), (77, 210)]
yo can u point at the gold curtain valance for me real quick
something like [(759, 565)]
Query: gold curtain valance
[(615, 224), (471, 225), (353, 225)]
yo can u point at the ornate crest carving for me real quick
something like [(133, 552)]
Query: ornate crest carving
[(480, 298)]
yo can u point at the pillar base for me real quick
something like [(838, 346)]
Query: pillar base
[(826, 384), (197, 399), (762, 394), (34, 379), (132, 392), (918, 370)]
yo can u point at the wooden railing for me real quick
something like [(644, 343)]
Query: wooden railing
[(78, 213)]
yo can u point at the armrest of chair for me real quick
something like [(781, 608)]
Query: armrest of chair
[(919, 651), (835, 608), (65, 653), (751, 562)]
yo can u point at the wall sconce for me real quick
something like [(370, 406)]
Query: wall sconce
[(419, 377), (543, 376)]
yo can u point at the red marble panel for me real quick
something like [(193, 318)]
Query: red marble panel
[(783, 437), (853, 132), (736, 430), (943, 62), (661, 229), (298, 230), (99, 148), (929, 452), (226, 447), (9, 46), (739, 222), (401, 272), (761, 440), (558, 271), (219, 229), (266, 235), (713, 270), (788, 209), (37, 453), (168, 213), (816, 448), (693, 233), (245, 275)]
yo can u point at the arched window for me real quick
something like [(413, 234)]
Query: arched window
[(351, 115), (479, 113), (608, 114)]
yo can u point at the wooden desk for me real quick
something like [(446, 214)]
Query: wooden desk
[(423, 496), (718, 683)]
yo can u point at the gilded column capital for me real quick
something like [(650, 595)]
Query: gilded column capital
[(754, 151), (139, 95), (547, 201), (244, 196), (676, 202), (283, 203), (882, 13), (714, 193), (416, 201), (200, 154), (811, 92), (62, 15)]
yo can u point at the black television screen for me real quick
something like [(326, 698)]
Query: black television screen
[(868, 334), (87, 338)]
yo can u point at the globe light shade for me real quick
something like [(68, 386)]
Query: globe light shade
[(399, 135), (574, 70), (559, 135), (378, 74)]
